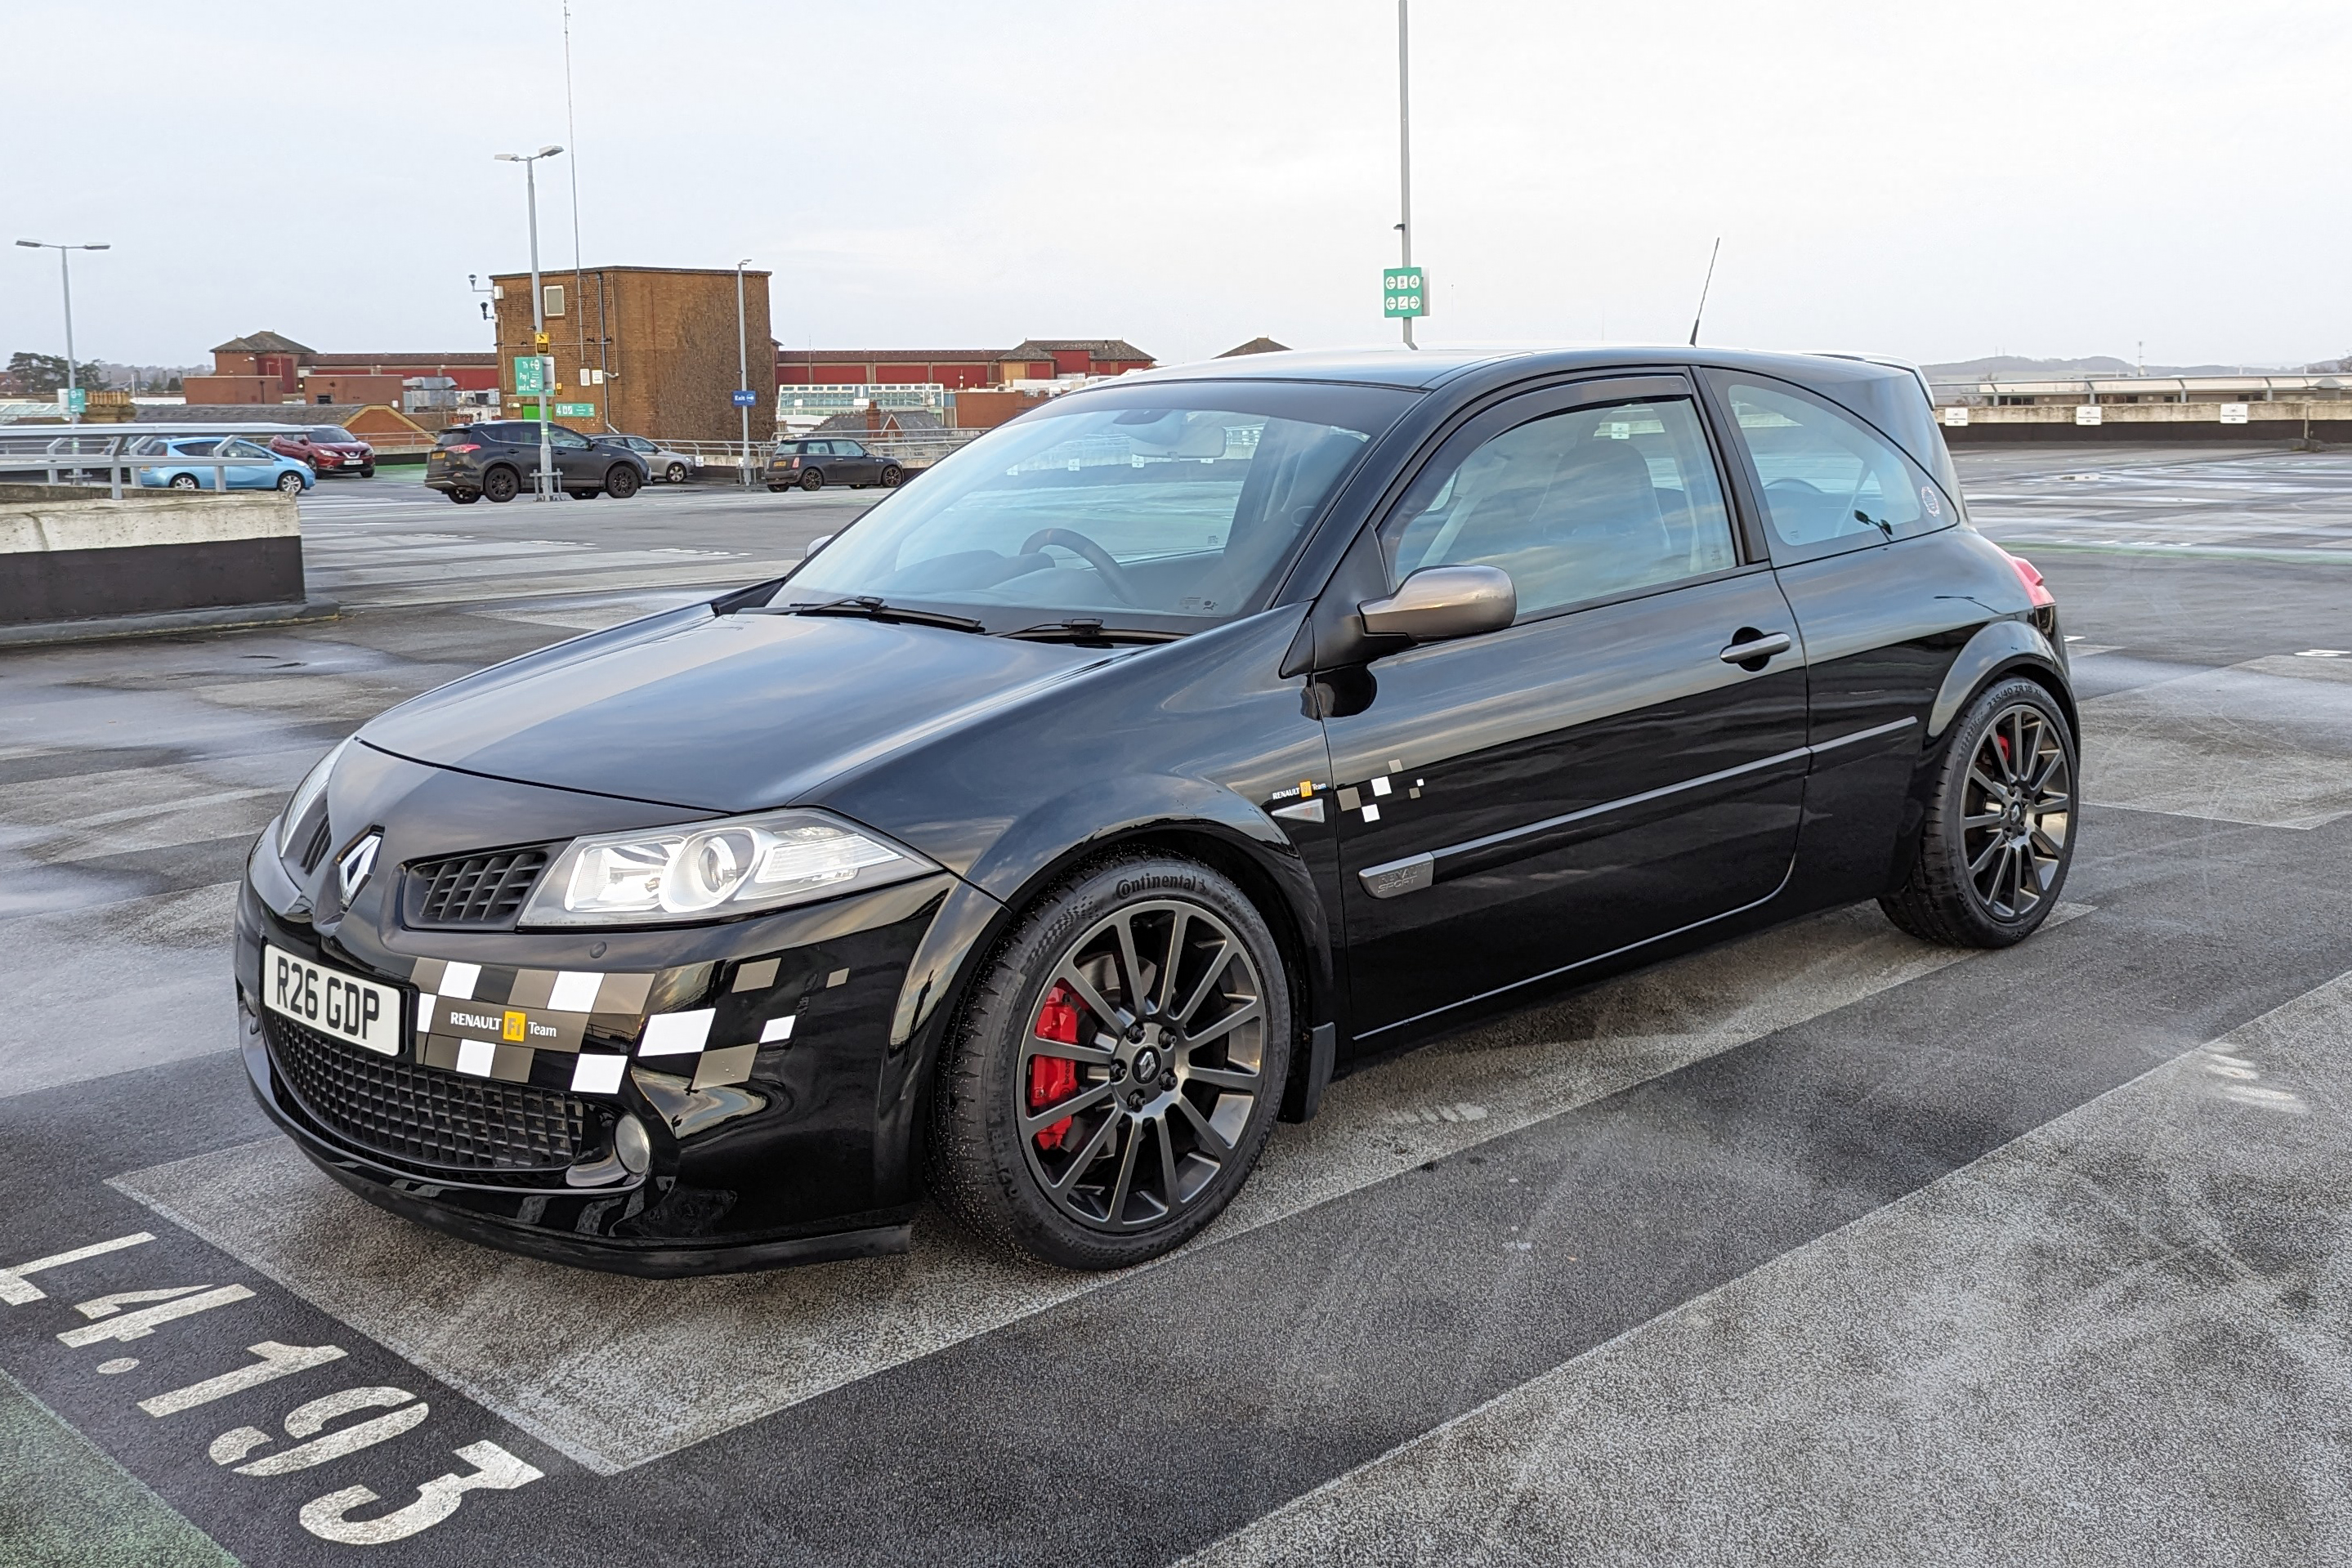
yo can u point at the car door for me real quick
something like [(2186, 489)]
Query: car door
[(1605, 770), (578, 465), (257, 472), (1864, 541), (859, 466)]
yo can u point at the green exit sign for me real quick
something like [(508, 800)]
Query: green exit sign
[(1404, 291)]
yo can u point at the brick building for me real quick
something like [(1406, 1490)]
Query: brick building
[(1034, 359), (647, 349), (271, 368)]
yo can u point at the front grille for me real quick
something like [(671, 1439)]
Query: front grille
[(423, 1115), (473, 892)]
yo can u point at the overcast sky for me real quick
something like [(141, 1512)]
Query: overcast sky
[(1935, 181)]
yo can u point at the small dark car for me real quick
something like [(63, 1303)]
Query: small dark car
[(328, 449), (1068, 817), (500, 459), (814, 462)]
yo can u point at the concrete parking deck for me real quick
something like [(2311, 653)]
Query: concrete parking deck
[(1823, 1245)]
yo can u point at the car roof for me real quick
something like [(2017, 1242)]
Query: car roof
[(1425, 369)]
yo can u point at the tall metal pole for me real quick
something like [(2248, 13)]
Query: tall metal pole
[(743, 368), (579, 316), (1404, 146), (65, 276), (538, 332)]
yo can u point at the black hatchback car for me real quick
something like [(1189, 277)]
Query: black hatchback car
[(500, 459), (1069, 818), (813, 461)]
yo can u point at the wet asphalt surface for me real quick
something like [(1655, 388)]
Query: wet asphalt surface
[(1821, 1245)]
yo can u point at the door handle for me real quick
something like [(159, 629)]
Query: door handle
[(1755, 649)]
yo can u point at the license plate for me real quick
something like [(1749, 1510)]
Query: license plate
[(344, 1006)]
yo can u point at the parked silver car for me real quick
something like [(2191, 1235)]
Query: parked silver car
[(668, 467)]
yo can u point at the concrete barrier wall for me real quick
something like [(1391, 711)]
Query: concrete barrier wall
[(65, 555), (2328, 420)]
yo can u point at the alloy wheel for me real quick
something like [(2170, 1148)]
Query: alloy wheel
[(1141, 1066), (2016, 812)]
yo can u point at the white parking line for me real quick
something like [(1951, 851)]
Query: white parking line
[(616, 1372)]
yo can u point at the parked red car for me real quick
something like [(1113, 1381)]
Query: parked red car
[(328, 449)]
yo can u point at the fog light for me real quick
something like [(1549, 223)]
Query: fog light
[(632, 1144)]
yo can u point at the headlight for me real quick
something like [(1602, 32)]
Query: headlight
[(714, 871), (305, 795)]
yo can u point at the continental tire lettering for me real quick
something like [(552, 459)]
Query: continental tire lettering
[(1155, 882), (495, 1470)]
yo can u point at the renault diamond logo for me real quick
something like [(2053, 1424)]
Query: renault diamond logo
[(357, 861)]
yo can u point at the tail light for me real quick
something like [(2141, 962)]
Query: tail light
[(2035, 589), (475, 446)]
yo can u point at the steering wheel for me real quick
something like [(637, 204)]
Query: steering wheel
[(1107, 567)]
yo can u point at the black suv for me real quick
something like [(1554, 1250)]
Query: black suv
[(816, 462), (500, 458)]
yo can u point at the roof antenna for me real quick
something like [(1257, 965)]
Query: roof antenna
[(1704, 287)]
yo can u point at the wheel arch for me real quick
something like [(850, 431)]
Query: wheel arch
[(1999, 649), (976, 917)]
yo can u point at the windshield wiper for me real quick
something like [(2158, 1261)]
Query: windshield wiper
[(1088, 631), (870, 608)]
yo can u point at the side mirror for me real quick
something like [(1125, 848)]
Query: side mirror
[(1440, 602), (815, 545)]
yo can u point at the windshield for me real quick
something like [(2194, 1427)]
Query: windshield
[(1176, 503), (331, 432)]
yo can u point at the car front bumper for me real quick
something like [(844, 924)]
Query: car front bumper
[(786, 1133)]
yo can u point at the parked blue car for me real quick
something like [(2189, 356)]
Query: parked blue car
[(262, 470)]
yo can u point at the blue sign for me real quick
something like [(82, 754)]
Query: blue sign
[(746, 399)]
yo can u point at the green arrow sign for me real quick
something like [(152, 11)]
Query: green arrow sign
[(1404, 291)]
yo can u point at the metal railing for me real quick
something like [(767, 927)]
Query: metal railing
[(70, 470), (908, 449)]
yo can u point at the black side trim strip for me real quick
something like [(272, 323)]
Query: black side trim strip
[(1413, 872), (1582, 963)]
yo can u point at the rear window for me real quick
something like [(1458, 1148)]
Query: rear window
[(458, 437)]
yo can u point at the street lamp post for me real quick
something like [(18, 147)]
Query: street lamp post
[(64, 276), (1404, 151), (543, 484), (743, 368)]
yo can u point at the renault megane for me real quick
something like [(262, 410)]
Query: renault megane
[(1077, 812)]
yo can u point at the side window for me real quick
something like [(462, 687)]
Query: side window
[(1574, 506), (241, 448), (1831, 483), (569, 440)]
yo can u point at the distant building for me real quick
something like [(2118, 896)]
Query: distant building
[(1255, 346), (370, 422), (271, 368), (1033, 359), (651, 350)]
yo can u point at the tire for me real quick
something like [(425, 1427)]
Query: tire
[(367, 472), (891, 475), (621, 482), (1093, 1187), (499, 485), (778, 489), (465, 497), (290, 484), (2000, 831), (675, 474), (183, 482), (811, 479)]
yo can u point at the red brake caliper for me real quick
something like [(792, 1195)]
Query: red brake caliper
[(1053, 1078)]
